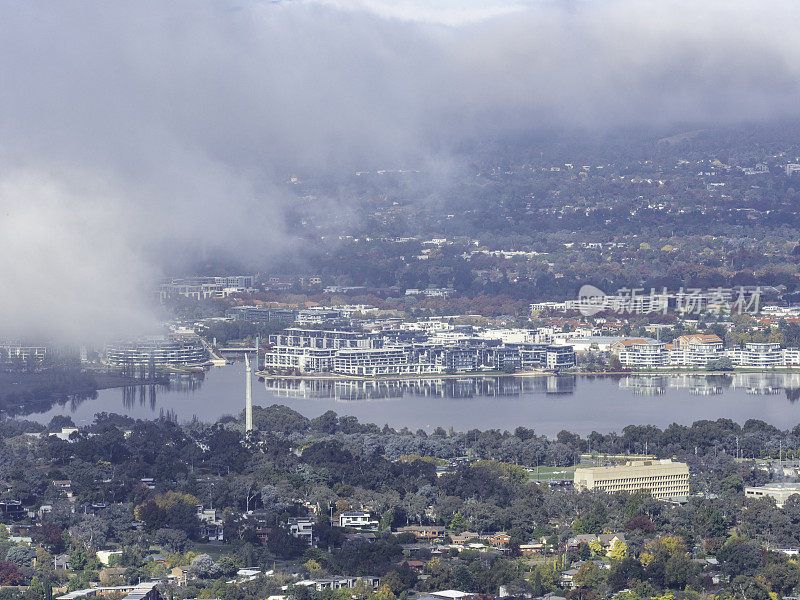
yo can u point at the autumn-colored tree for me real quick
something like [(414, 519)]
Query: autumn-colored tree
[(10, 574), (618, 550)]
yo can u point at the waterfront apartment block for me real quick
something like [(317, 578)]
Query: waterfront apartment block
[(396, 353), (311, 350), (156, 351), (664, 479), (370, 362), (699, 350), (757, 355), (696, 350), (641, 353)]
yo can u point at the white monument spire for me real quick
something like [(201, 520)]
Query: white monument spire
[(248, 397)]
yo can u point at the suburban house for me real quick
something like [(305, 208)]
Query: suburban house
[(302, 527), (358, 520)]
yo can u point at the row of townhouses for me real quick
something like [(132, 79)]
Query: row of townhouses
[(406, 352)]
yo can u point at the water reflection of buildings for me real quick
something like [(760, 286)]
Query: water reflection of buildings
[(147, 395), (441, 387), (709, 385)]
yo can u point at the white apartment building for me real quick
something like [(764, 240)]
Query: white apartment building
[(13, 351), (642, 353), (757, 355), (509, 336), (791, 356), (539, 306), (310, 350), (372, 361), (664, 479), (696, 350), (317, 315)]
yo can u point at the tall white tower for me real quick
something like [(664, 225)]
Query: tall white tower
[(248, 396)]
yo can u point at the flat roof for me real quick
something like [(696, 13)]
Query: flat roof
[(781, 486)]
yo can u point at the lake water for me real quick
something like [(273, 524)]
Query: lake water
[(548, 404)]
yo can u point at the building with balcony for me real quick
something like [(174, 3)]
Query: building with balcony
[(157, 350), (375, 361), (696, 350), (641, 353), (759, 355)]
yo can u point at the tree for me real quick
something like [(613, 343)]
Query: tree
[(39, 590), (618, 550), (19, 555), (589, 575), (740, 559), (44, 563), (383, 593), (91, 531), (459, 523), (48, 533), (204, 566), (313, 567), (10, 574), (172, 540)]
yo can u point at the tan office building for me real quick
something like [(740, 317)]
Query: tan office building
[(781, 492), (663, 478)]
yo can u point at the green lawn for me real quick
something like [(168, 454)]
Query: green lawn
[(552, 473)]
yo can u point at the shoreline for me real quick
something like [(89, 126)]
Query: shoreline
[(397, 377), (522, 374)]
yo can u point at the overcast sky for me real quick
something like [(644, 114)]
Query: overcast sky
[(125, 125)]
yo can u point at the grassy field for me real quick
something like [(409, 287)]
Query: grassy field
[(552, 473)]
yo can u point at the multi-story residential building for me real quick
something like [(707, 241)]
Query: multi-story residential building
[(157, 350), (403, 351), (641, 353), (430, 292), (262, 314), (11, 351), (696, 350), (338, 583), (424, 532), (376, 361), (502, 357), (662, 478), (791, 356), (458, 359), (358, 520), (311, 350), (211, 524), (545, 356), (302, 527), (559, 357), (757, 355), (319, 315)]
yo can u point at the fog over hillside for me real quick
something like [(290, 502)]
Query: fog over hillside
[(130, 130)]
